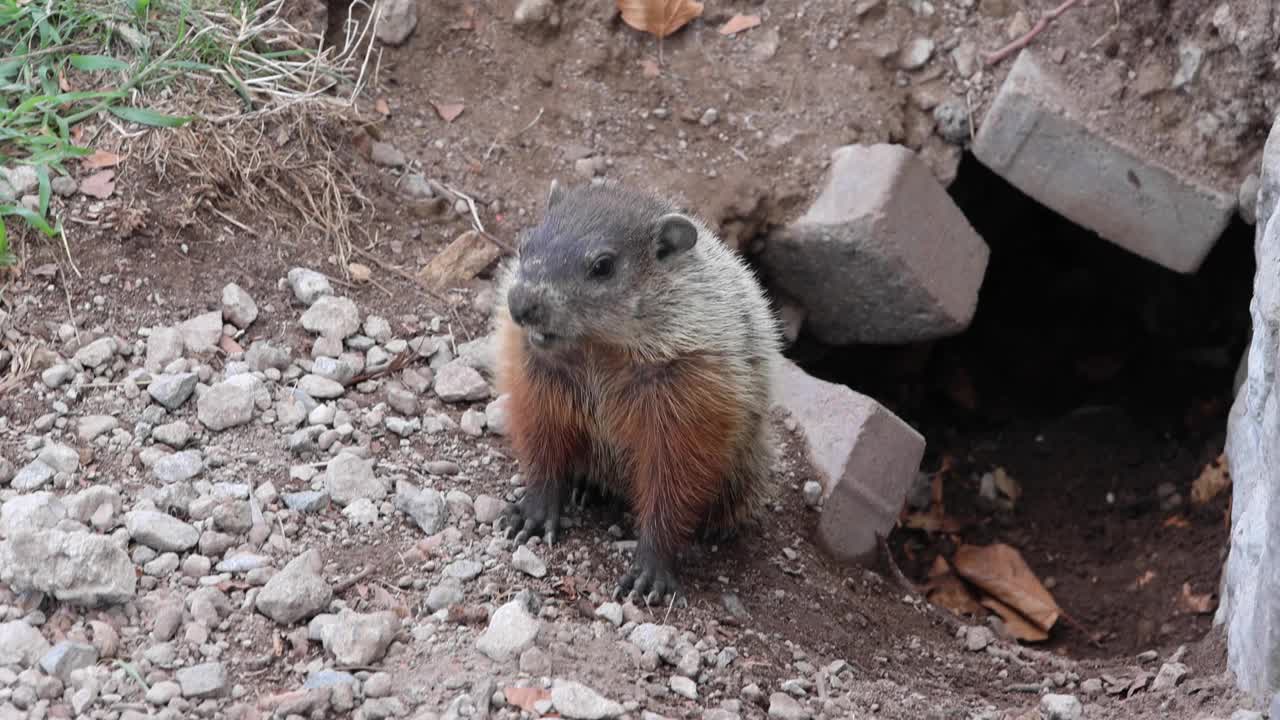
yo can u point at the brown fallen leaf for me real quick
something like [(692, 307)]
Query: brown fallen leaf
[(999, 570), (1214, 479), (946, 589), (100, 159), (1015, 622), (1195, 603), (1143, 580), (229, 345), (99, 185), (659, 18), (449, 111), (63, 84), (738, 23), (460, 261), (381, 107), (526, 698)]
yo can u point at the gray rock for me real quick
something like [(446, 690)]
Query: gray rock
[(178, 467), (511, 630), (31, 513), (33, 476), (91, 426), (978, 637), (350, 477), (297, 592), (446, 594), (684, 687), (61, 458), (308, 285), (488, 508), (164, 345), (399, 18), (496, 415), (650, 637), (332, 317), (360, 638), (66, 657), (784, 707), (425, 506), (1250, 607), (532, 12), (952, 120), (340, 369), (160, 531), (21, 644), (386, 155), (578, 702), (171, 391), (915, 53), (612, 612), (329, 678), (207, 680), (1061, 707), (228, 404), (1190, 58), (463, 570), (57, 375), (458, 382), (307, 501), (238, 307), (263, 355), (320, 388), (74, 567), (1169, 676), (526, 562), (202, 333), (163, 692), (175, 434), (1248, 199), (97, 353)]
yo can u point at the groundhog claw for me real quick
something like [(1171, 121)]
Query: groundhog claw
[(535, 514), (650, 578)]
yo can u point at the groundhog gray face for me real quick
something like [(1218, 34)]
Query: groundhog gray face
[(594, 265)]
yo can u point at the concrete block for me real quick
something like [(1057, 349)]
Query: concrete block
[(883, 256), (866, 458), (1037, 137)]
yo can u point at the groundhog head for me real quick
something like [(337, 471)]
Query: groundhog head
[(594, 268)]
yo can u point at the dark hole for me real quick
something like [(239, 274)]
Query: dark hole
[(1101, 383)]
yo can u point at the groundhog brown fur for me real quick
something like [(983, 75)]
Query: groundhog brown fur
[(637, 351)]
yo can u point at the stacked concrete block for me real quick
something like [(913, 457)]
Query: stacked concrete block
[(866, 458), (883, 256), (1250, 607), (1037, 138)]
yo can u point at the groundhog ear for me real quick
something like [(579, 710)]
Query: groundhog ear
[(555, 194), (676, 234)]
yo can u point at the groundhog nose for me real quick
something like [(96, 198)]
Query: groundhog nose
[(525, 306)]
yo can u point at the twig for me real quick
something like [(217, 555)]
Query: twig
[(994, 57), (345, 584)]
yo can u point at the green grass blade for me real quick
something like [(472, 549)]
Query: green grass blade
[(143, 116), (6, 258), (42, 172), (32, 219), (93, 63)]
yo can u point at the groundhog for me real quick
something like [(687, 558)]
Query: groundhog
[(638, 353)]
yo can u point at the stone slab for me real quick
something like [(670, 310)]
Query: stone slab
[(883, 256), (866, 457), (1037, 138)]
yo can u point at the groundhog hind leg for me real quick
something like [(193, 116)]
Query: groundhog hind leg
[(679, 453), (546, 431)]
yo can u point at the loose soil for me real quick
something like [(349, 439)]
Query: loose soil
[(1090, 416)]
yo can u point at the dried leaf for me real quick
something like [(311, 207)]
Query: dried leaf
[(1195, 603), (360, 273), (659, 18), (526, 698), (1000, 570), (99, 185), (1015, 622), (381, 107), (738, 23), (229, 345), (1144, 580), (947, 590), (1177, 521), (1214, 478), (105, 638), (649, 68), (933, 521), (100, 159), (63, 84), (449, 111)]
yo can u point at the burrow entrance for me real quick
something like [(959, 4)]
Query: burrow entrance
[(1101, 384)]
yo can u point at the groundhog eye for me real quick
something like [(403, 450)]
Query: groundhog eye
[(602, 267)]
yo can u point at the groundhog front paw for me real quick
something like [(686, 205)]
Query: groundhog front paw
[(537, 513), (652, 577)]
